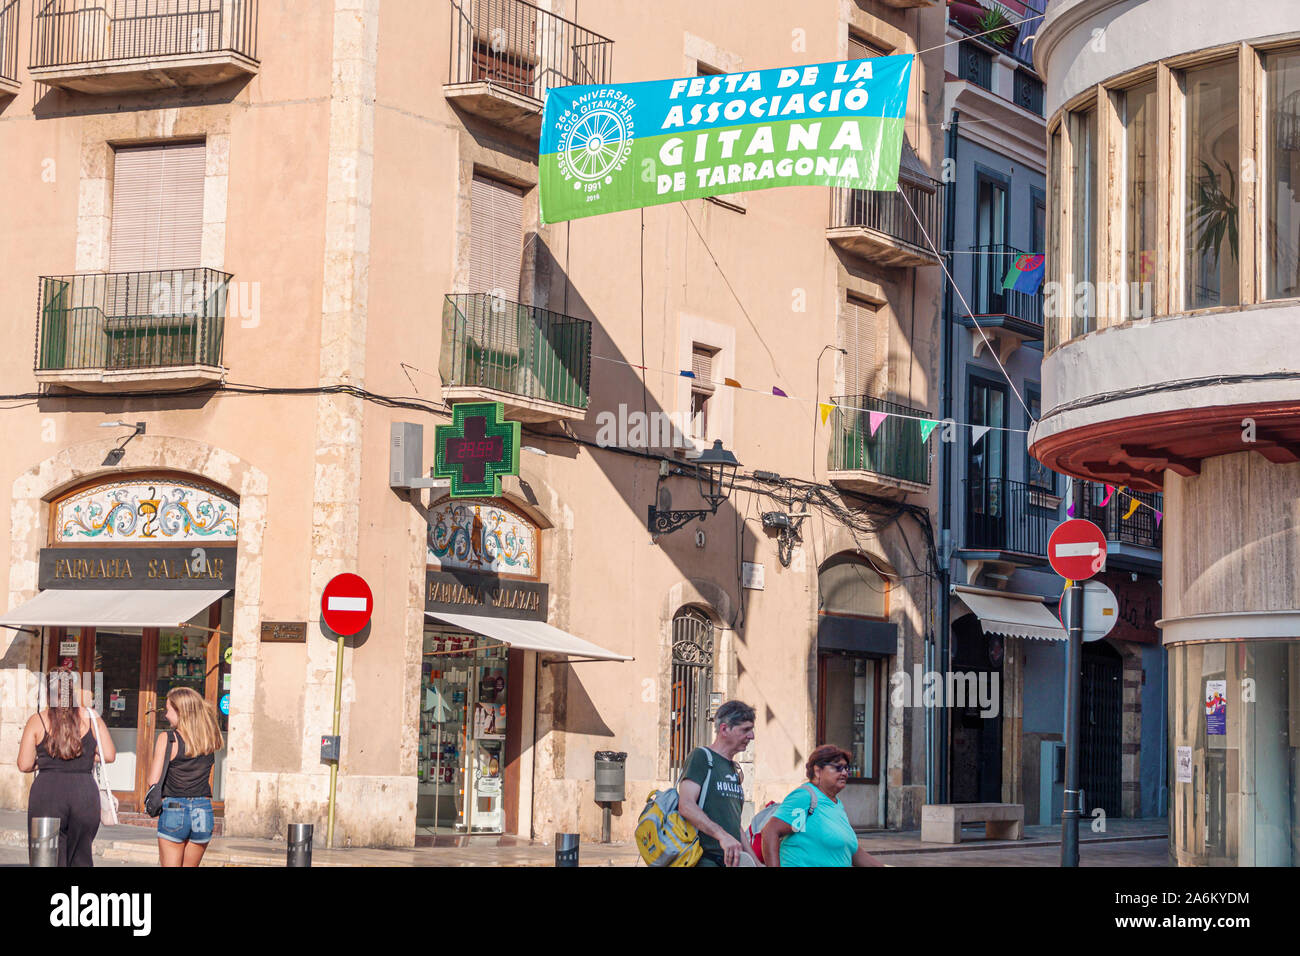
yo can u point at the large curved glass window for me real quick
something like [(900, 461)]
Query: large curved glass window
[(1282, 169), (1141, 181), (1212, 187), (1234, 746), (1083, 235)]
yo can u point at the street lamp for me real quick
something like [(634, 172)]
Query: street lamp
[(715, 474)]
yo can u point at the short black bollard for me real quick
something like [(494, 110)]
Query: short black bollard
[(43, 841), (299, 853), (566, 849)]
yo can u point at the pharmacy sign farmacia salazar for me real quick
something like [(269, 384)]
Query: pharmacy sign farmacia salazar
[(607, 148)]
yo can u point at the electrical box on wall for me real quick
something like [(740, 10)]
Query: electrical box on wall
[(329, 747), (405, 451)]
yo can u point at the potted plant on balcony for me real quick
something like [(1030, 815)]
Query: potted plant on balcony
[(995, 22)]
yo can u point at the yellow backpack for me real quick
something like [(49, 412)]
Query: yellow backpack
[(663, 836)]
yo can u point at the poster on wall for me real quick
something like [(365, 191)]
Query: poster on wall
[(1216, 707), (625, 146), (1183, 772)]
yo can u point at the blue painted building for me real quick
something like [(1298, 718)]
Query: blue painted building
[(998, 505)]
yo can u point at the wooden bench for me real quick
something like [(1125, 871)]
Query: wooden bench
[(942, 822)]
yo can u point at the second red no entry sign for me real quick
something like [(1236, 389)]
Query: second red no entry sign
[(346, 604)]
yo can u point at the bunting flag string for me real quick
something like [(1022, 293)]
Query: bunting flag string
[(825, 410), (977, 432), (876, 417), (1133, 506), (927, 426)]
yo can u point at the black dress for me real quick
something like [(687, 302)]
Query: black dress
[(66, 789)]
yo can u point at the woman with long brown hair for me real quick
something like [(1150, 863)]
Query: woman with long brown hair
[(60, 742), (182, 765)]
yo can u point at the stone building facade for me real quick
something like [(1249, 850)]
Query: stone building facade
[(273, 241)]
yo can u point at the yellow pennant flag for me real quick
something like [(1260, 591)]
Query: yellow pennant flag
[(825, 410), (1132, 507)]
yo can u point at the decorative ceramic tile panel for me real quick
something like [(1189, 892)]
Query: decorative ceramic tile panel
[(146, 510), (481, 537)]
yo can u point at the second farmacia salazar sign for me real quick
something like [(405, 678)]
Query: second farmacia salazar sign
[(624, 146)]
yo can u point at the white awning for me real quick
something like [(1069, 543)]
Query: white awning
[(528, 635), (1012, 615), (111, 608)]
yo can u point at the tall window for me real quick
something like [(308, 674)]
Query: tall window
[(860, 327), (1039, 475), (991, 213), (1082, 298), (702, 389), (496, 240), (157, 207), (1282, 168), (1141, 184), (986, 472), (692, 684), (1212, 187), (1053, 305)]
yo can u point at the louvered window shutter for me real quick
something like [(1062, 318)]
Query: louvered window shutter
[(860, 329), (496, 237), (702, 366), (157, 208)]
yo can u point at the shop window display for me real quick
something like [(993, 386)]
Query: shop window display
[(463, 718)]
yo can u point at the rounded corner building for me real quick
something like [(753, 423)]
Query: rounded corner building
[(1172, 364)]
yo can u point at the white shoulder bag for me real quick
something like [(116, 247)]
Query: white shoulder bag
[(107, 802)]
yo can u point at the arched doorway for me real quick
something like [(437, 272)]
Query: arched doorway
[(691, 684)]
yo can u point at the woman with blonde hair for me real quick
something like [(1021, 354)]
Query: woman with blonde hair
[(181, 769)]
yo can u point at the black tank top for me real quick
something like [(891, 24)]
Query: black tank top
[(187, 776), (48, 763)]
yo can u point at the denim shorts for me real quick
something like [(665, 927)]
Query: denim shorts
[(186, 818)]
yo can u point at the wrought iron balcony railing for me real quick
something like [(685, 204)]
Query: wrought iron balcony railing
[(1003, 515), (975, 64), (74, 32), (896, 450), (888, 212), (1140, 529), (131, 320), (524, 49), (522, 350), (1029, 92), (991, 263), (9, 41)]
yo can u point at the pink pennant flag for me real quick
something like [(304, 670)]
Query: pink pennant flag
[(1110, 490), (1159, 516), (876, 419)]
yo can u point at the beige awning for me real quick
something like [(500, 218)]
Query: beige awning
[(111, 608), (528, 635), (1011, 615)]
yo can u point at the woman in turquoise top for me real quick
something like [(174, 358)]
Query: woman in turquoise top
[(811, 828)]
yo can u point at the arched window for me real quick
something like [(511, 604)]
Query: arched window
[(691, 684), (852, 587)]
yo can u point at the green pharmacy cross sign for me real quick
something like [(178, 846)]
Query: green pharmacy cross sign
[(476, 449)]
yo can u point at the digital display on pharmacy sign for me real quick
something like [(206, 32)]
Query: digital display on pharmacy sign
[(476, 449), (106, 567), (624, 146)]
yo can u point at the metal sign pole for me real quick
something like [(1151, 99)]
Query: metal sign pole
[(334, 764), (1073, 688)]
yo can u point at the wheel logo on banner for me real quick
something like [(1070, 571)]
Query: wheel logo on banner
[(596, 140)]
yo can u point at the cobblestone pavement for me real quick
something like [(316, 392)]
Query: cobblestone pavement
[(1153, 852)]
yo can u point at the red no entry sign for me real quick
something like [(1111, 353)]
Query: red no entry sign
[(1077, 550), (346, 604)]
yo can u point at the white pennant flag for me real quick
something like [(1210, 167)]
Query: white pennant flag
[(977, 432)]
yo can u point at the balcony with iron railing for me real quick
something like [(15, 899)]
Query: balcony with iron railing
[(1008, 520), (9, 47), (892, 460), (505, 55), (1132, 543), (114, 46), (131, 330), (534, 361), (1007, 317), (889, 228)]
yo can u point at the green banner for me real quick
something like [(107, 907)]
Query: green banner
[(609, 148)]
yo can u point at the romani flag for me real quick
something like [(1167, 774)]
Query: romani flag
[(1025, 274)]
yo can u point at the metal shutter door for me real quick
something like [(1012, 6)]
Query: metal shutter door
[(496, 237), (860, 330), (157, 208)]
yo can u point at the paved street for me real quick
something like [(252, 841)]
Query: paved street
[(1153, 852)]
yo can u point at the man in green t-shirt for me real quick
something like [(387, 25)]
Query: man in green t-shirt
[(723, 801)]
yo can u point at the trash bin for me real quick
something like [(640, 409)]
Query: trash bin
[(610, 776)]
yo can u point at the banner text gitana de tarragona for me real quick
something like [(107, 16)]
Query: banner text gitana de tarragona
[(624, 146)]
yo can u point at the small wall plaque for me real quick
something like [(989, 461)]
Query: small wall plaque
[(284, 632)]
